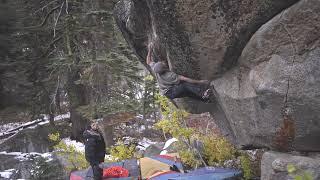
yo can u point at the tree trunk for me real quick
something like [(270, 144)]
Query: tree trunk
[(77, 98), (107, 133), (76, 92)]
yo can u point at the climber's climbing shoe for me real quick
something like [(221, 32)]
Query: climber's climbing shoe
[(211, 83), (207, 94)]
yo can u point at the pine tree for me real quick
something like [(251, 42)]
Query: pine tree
[(71, 49)]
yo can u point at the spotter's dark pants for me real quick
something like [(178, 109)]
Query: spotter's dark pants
[(97, 172)]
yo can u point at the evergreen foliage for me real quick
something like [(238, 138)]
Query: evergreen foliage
[(149, 106), (43, 168), (76, 159), (68, 54)]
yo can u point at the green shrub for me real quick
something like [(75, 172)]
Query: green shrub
[(174, 128), (217, 150), (54, 137), (172, 123), (189, 159), (172, 120), (246, 166), (75, 158), (121, 152)]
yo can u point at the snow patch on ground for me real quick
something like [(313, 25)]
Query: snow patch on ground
[(77, 145), (26, 156), (45, 120), (142, 128), (108, 157), (6, 127), (62, 116), (7, 173), (145, 143), (139, 116), (142, 144)]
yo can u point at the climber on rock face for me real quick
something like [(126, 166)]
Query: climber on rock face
[(173, 85)]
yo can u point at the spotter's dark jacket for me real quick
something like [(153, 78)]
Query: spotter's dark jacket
[(95, 148)]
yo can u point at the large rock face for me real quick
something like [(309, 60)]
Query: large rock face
[(263, 58), (278, 71), (274, 165)]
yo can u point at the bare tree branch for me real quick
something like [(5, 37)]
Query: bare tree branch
[(67, 6), (43, 21), (55, 94), (99, 13), (43, 7), (55, 24), (50, 45)]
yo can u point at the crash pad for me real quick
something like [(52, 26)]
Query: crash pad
[(158, 164), (208, 173)]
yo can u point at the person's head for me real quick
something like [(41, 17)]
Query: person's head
[(94, 126), (160, 67)]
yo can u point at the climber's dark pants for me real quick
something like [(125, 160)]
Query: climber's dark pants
[(185, 89)]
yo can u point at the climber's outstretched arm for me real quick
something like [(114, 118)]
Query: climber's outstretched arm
[(149, 59), (183, 78)]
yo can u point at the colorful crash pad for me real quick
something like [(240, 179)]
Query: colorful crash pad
[(131, 165), (207, 173), (150, 166), (158, 168)]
